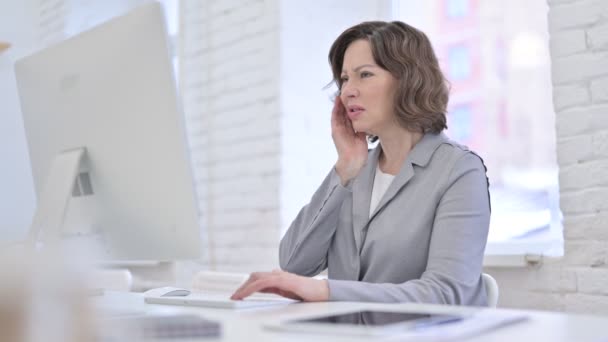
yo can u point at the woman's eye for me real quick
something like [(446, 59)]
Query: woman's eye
[(365, 74), (343, 79)]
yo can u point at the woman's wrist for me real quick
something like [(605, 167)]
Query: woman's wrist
[(346, 171), (343, 179), (324, 292)]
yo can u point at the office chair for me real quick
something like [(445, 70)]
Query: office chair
[(491, 289)]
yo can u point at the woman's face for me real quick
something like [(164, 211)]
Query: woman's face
[(367, 91)]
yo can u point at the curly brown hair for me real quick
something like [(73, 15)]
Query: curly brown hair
[(422, 95)]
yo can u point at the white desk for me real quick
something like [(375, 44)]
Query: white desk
[(246, 325)]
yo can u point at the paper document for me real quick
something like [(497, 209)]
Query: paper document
[(396, 325), (484, 321)]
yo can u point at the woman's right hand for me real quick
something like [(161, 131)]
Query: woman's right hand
[(351, 145), (284, 284)]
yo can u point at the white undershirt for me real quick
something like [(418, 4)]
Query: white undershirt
[(381, 183)]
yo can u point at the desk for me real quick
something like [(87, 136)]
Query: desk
[(246, 325)]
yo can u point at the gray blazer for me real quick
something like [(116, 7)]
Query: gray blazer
[(424, 242)]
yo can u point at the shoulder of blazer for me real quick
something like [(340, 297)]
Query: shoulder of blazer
[(460, 150)]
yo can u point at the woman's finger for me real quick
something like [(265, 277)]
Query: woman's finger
[(362, 136), (282, 293), (337, 105), (260, 284), (348, 124), (252, 277), (245, 287), (336, 116), (249, 289)]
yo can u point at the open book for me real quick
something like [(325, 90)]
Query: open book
[(213, 289)]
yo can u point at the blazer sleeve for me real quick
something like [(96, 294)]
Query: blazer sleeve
[(303, 249), (458, 239)]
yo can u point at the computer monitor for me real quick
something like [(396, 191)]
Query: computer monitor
[(107, 142)]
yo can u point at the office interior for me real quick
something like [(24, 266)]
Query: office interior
[(528, 92)]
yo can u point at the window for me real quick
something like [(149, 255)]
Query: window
[(460, 123), (459, 63), (501, 107), (457, 8)]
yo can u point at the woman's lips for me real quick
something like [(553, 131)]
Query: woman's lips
[(354, 114), (354, 111)]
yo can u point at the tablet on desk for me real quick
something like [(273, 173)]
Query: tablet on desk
[(367, 323)]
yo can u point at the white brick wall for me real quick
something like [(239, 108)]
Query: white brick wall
[(570, 95), (578, 281), (229, 80), (52, 20), (599, 89), (248, 109)]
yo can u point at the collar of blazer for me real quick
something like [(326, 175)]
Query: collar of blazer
[(424, 149), (362, 186), (421, 153)]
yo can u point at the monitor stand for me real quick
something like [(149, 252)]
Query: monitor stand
[(53, 200), (61, 183)]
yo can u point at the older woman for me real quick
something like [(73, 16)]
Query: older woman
[(406, 221)]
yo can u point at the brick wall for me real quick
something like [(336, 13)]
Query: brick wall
[(578, 281), (51, 21), (229, 52), (249, 96)]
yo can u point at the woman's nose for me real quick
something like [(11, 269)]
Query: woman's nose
[(349, 91)]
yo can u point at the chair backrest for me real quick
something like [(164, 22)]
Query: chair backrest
[(491, 289)]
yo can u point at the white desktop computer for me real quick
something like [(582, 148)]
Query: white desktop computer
[(107, 142)]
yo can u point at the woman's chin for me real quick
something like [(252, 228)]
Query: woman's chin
[(359, 127), (363, 130)]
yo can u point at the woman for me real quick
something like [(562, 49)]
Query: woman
[(406, 221)]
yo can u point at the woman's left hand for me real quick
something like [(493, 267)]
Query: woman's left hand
[(284, 284)]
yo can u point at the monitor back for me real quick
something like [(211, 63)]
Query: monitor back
[(111, 90)]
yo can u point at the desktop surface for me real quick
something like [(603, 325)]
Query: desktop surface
[(248, 325)]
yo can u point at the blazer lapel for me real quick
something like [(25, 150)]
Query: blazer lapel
[(362, 193), (404, 176), (420, 155)]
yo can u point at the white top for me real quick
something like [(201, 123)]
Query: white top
[(381, 183)]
